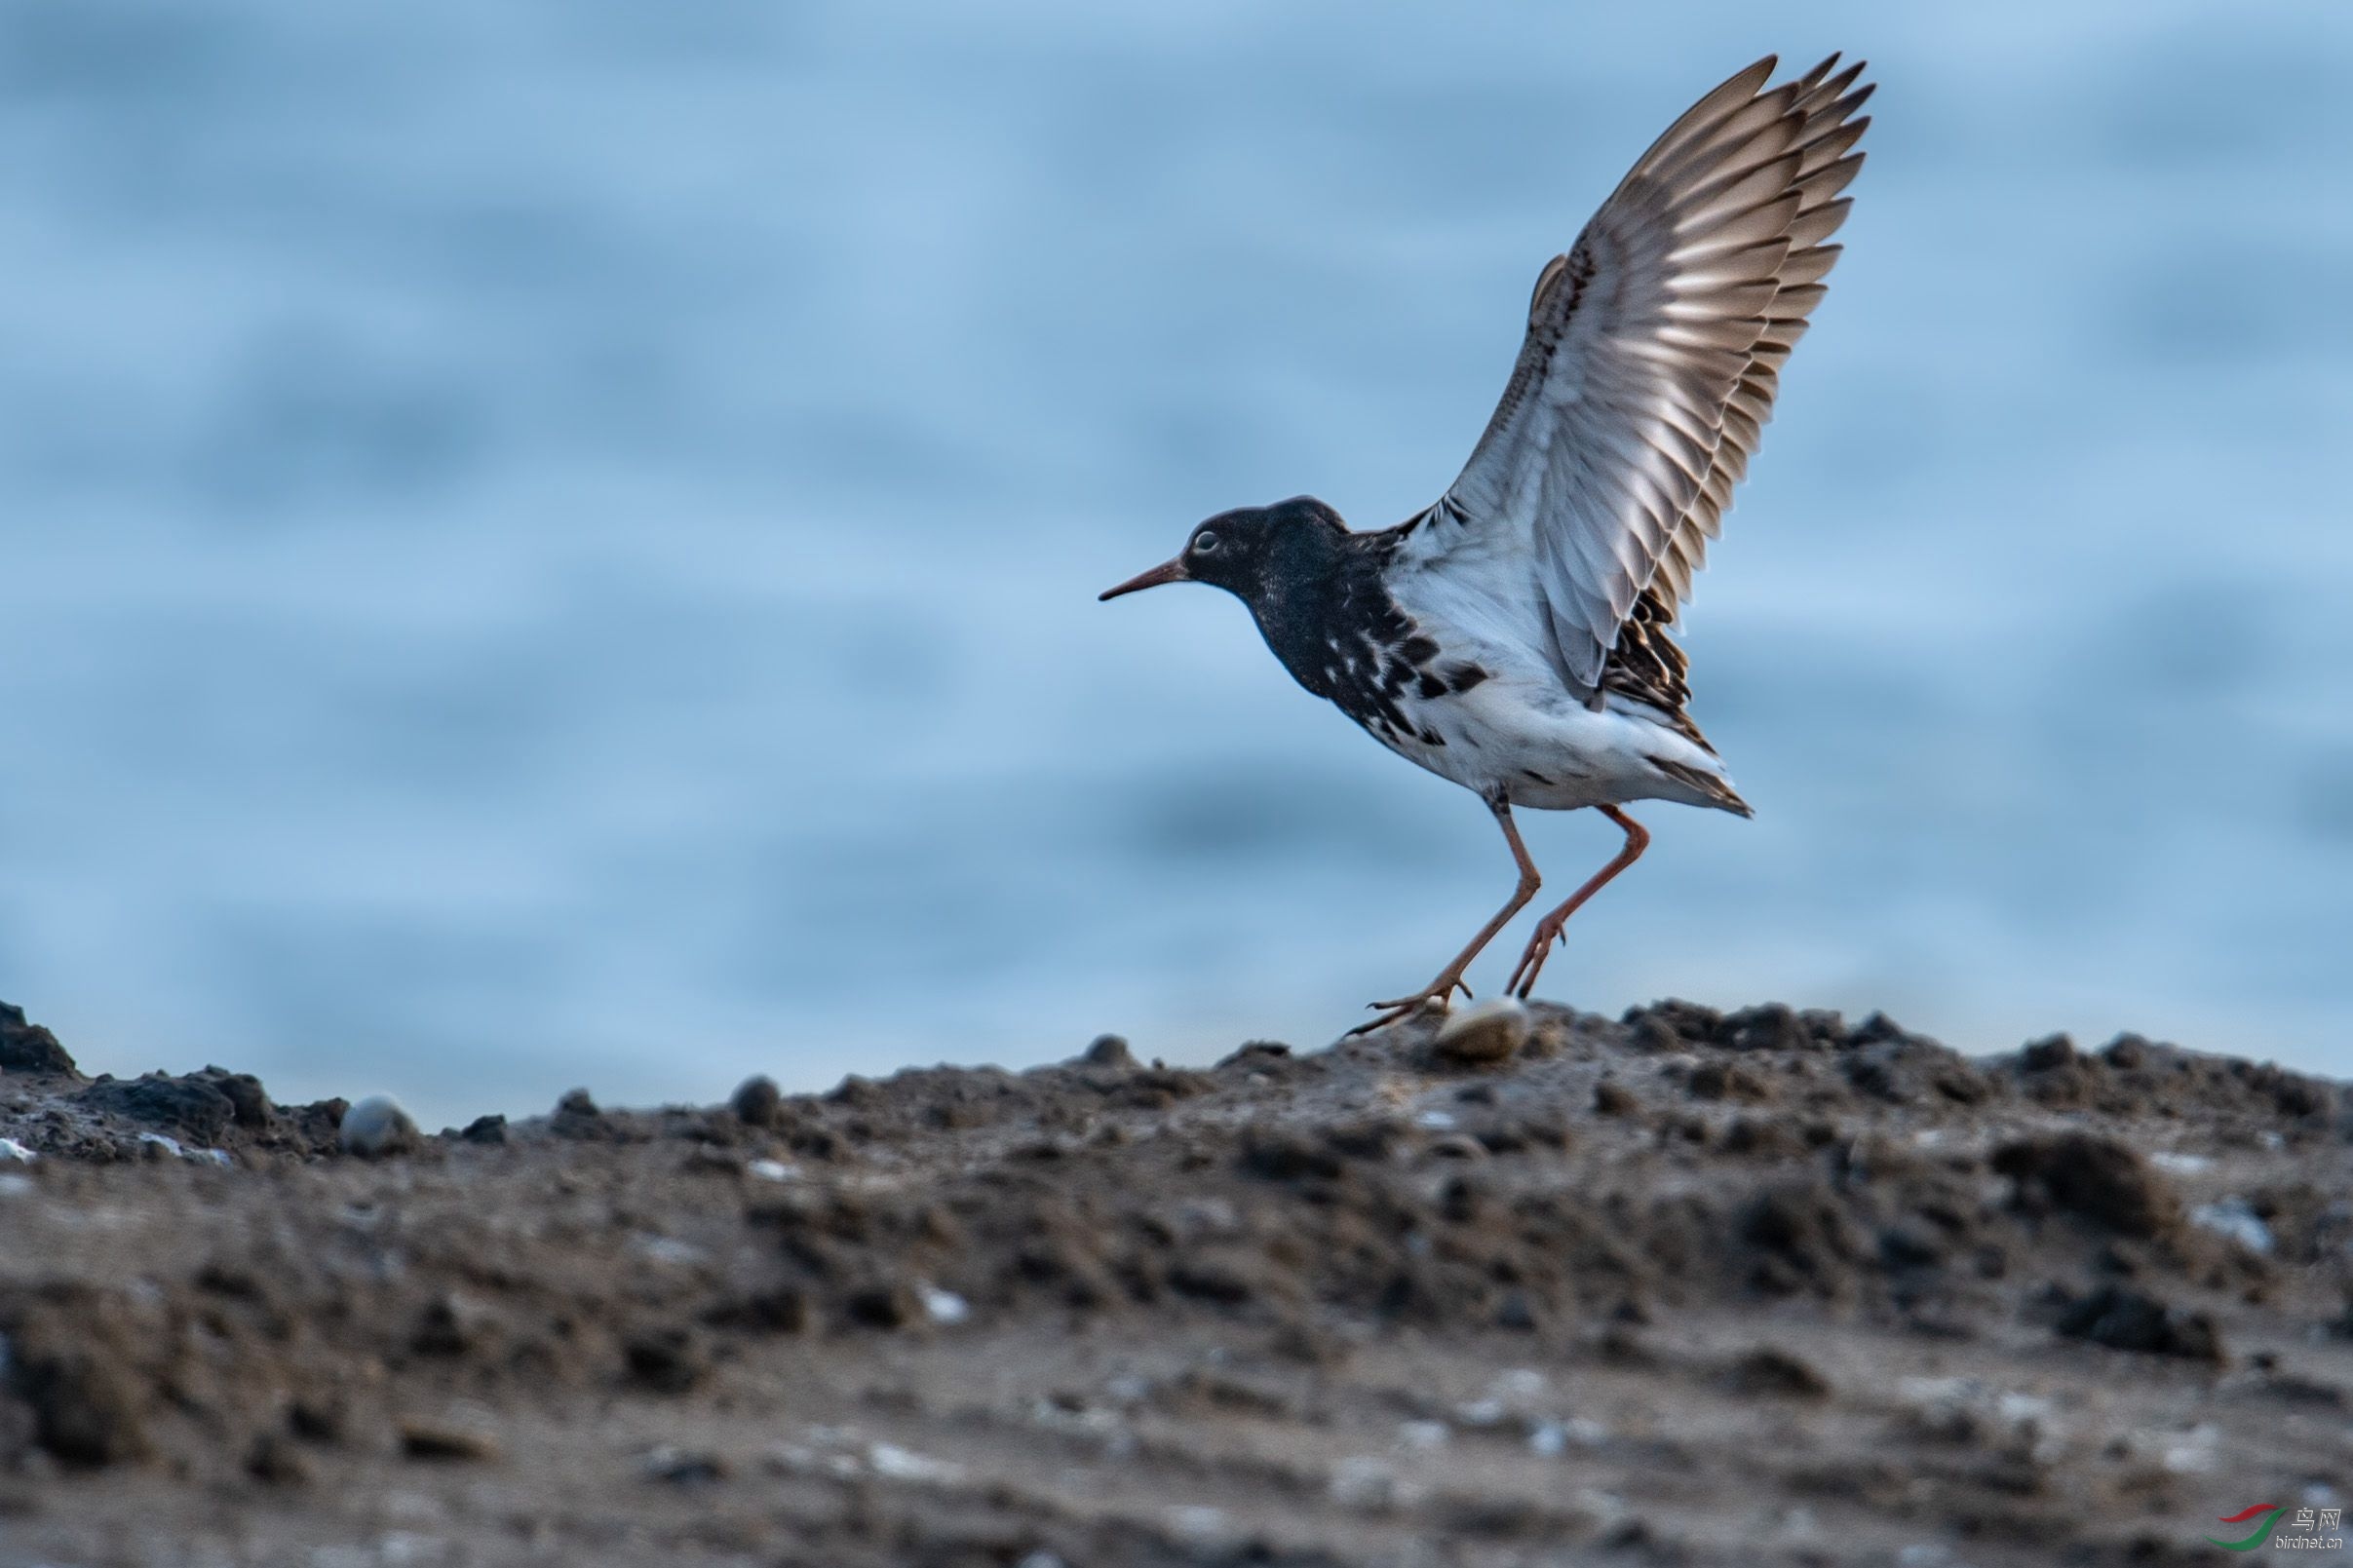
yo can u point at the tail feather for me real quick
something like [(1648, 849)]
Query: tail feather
[(1721, 793)]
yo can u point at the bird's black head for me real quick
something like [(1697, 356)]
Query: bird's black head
[(1248, 552)]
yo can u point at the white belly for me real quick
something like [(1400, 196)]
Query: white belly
[(1527, 741)]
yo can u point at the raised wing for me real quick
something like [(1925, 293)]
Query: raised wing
[(1653, 352)]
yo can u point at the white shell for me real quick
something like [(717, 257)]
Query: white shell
[(376, 1126)]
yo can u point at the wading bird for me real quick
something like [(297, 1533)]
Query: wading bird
[(1514, 638)]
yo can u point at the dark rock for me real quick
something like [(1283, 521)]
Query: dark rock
[(782, 1311), (1208, 1279), (1652, 1035), (316, 1420), (485, 1130), (249, 1102), (1771, 1027), (191, 1107), (2126, 1053), (1722, 1080), (2098, 1178), (274, 1461), (1762, 1139), (577, 1103), (1773, 1373), (1911, 1069), (1675, 1023), (450, 1326), (1613, 1099), (665, 1361), (28, 1047), (434, 1443), (1282, 1156), (685, 1467), (86, 1408), (2047, 1055), (1874, 1030), (858, 1093), (1108, 1050), (1258, 1054), (888, 1306), (1804, 1237), (2128, 1319), (758, 1101)]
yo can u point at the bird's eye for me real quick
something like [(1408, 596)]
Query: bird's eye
[(1205, 544)]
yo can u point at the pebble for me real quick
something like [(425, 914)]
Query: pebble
[(429, 1441), (944, 1306), (11, 1149), (758, 1101), (894, 1462), (685, 1467), (485, 1130), (376, 1126), (2237, 1219), (1109, 1051), (1423, 1434), (1492, 1031)]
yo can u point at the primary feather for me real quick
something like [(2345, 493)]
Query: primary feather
[(1653, 353)]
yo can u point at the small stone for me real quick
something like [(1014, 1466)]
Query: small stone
[(1490, 1032), (758, 1101), (944, 1306), (274, 1461), (887, 1306), (685, 1467), (86, 1409), (1612, 1098), (780, 1311), (667, 1360), (1109, 1051), (2099, 1178), (434, 1443), (576, 1102), (2128, 1319), (485, 1130), (377, 1127), (249, 1102), (2237, 1219), (2048, 1054), (1776, 1373)]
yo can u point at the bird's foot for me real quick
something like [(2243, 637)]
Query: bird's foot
[(1438, 994), (1531, 958)]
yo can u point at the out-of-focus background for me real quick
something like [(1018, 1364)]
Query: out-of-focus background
[(554, 543)]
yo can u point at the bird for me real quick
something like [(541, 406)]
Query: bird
[(1516, 635)]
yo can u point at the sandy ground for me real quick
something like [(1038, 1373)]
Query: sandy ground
[(1768, 1287)]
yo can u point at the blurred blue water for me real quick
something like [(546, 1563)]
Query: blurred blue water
[(554, 543)]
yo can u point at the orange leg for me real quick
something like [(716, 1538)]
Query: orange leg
[(1449, 978), (1548, 930)]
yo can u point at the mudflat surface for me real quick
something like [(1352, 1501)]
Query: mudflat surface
[(1768, 1287)]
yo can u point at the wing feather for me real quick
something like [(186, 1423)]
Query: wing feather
[(1652, 358)]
